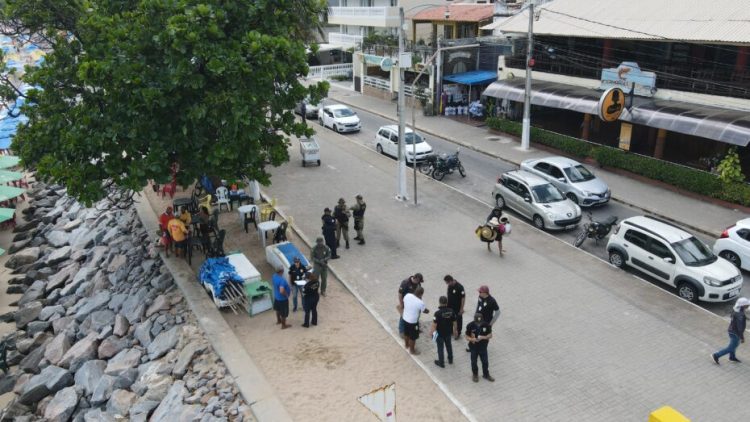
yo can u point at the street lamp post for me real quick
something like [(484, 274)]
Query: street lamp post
[(526, 128), (401, 196)]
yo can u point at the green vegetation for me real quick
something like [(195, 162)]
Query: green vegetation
[(730, 188), (129, 87)]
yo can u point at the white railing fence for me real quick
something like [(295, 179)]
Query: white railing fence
[(379, 83), (328, 71)]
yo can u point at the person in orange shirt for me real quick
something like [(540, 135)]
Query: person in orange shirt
[(179, 232)]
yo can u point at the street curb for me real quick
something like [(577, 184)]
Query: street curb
[(492, 155), (252, 384), (381, 321)]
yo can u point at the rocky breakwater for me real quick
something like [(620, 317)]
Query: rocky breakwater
[(102, 332)]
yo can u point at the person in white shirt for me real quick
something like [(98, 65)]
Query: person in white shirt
[(413, 306)]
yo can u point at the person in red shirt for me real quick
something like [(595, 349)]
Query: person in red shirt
[(163, 221)]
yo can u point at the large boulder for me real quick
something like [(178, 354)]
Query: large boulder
[(61, 407), (34, 292), (142, 333), (111, 346), (92, 304), (58, 279), (121, 326), (171, 407), (89, 374), (83, 274), (23, 257), (57, 238), (186, 356), (57, 348), (27, 313), (161, 303), (51, 380), (58, 255), (120, 402), (83, 350), (163, 343), (103, 390), (126, 359)]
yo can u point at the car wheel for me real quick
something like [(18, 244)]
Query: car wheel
[(731, 257), (379, 149), (500, 201), (336, 128), (572, 197), (616, 259), (687, 291), (320, 121), (538, 222), (318, 162), (303, 163)]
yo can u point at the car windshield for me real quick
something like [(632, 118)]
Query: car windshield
[(413, 138), (343, 112), (693, 252), (544, 194), (578, 174)]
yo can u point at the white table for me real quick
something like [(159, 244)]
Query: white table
[(264, 227), (246, 209)]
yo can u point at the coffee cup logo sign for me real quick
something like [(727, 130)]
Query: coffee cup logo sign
[(611, 104)]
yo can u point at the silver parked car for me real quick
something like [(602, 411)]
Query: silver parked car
[(311, 110), (572, 178), (536, 199)]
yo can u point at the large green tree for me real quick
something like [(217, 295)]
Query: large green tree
[(130, 86)]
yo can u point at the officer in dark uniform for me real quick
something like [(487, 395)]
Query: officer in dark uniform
[(488, 307), (310, 297), (478, 334), (329, 231), (442, 323), (358, 212), (456, 299)]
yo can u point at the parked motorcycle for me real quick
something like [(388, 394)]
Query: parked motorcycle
[(596, 230), (440, 165)]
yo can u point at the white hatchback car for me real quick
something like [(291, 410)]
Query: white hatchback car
[(386, 142), (675, 257), (339, 118), (734, 244), (572, 178)]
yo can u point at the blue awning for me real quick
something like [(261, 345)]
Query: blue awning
[(475, 77)]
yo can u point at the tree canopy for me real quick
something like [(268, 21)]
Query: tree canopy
[(129, 87)]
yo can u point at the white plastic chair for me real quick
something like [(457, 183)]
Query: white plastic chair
[(222, 197)]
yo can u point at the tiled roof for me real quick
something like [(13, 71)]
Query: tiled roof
[(457, 13)]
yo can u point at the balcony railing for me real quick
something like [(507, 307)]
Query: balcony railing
[(329, 71), (338, 38), (364, 16)]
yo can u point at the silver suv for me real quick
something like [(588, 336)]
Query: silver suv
[(536, 199), (675, 257)]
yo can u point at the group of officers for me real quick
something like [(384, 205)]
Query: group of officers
[(447, 321)]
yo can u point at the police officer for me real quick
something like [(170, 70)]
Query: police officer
[(329, 231), (341, 213), (478, 334), (442, 324), (296, 273), (488, 307), (358, 211), (456, 298), (310, 299), (320, 255)]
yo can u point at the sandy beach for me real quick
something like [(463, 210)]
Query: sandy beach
[(319, 372)]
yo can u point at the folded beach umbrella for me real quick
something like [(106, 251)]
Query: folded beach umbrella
[(8, 161), (9, 192), (7, 176), (6, 214)]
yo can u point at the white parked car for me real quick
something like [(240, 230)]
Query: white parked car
[(675, 257), (734, 244), (386, 142), (339, 118), (536, 199), (311, 110), (572, 178)]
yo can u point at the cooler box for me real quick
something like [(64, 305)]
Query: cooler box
[(283, 254), (258, 297)]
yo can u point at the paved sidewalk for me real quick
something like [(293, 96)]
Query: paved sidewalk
[(577, 339), (705, 217)]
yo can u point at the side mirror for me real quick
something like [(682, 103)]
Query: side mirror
[(561, 179), (669, 260), (527, 199)]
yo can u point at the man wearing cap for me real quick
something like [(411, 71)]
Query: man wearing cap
[(736, 331), (358, 212), (478, 334), (296, 273), (320, 255), (456, 299), (488, 307), (407, 286), (341, 214), (281, 298), (310, 299), (329, 231)]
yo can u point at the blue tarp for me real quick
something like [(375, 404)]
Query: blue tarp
[(9, 125), (218, 272), (475, 77), (290, 252)]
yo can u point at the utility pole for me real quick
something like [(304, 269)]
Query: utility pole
[(526, 133), (401, 196)]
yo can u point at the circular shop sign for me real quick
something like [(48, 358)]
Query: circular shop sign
[(611, 104)]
